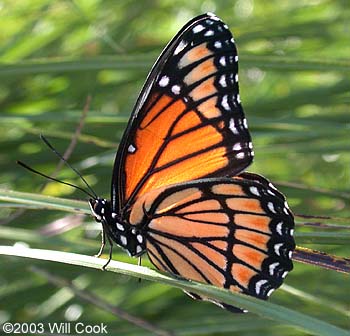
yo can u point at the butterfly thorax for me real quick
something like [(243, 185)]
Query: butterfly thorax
[(128, 236)]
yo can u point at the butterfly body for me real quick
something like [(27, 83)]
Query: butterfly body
[(127, 236), (179, 190)]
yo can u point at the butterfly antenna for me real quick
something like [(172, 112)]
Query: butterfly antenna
[(68, 164), (53, 179)]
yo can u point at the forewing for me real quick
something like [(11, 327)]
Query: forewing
[(188, 122), (235, 233)]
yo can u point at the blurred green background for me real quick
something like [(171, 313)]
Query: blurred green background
[(295, 89)]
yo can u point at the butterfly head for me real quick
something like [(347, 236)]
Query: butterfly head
[(129, 237), (98, 208)]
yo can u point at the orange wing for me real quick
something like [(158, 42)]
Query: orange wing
[(188, 122), (235, 233)]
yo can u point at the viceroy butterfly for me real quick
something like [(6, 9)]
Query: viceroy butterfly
[(179, 192)]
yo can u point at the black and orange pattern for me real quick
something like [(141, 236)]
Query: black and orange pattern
[(229, 232), (179, 192), (188, 122)]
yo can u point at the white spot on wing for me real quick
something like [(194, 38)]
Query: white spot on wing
[(245, 124), (164, 81), (213, 16), (131, 149), (239, 100), (139, 238), (271, 207), (236, 78), (197, 28), (209, 33), (270, 292), (233, 100), (254, 191), (138, 249), (123, 240), (240, 155), (236, 58), (175, 89), (277, 248), (232, 126), (182, 45), (279, 228), (222, 60), (231, 76), (224, 103), (258, 285), (272, 186), (271, 192), (120, 227), (237, 146), (272, 268), (217, 44), (222, 81)]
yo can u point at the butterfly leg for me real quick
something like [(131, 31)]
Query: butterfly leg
[(110, 253), (139, 264), (103, 243)]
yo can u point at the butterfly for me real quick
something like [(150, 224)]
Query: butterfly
[(179, 190)]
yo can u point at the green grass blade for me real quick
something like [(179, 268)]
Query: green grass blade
[(262, 308), (45, 202)]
